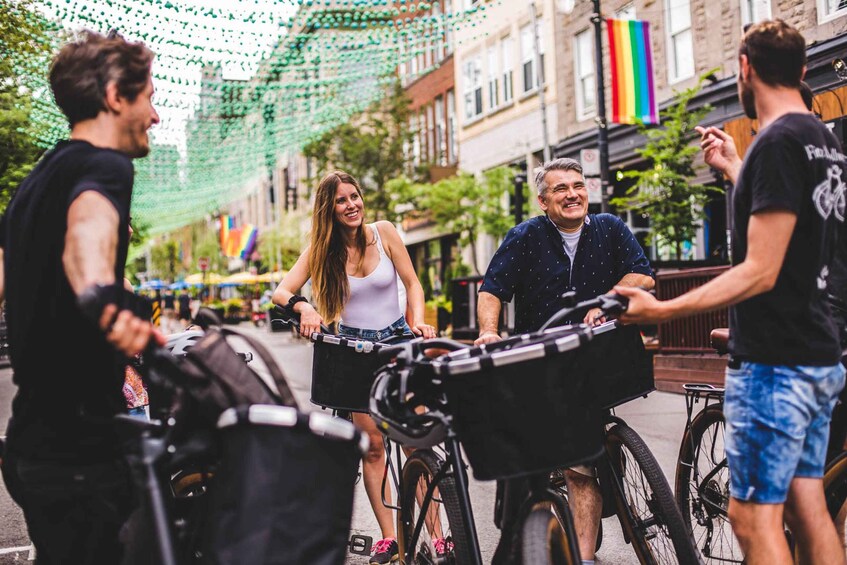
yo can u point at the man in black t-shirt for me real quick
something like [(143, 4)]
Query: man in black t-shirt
[(784, 373), (65, 230)]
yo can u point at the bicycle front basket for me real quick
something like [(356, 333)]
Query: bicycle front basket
[(522, 411), (343, 372), (283, 492)]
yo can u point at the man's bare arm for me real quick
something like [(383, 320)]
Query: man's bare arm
[(91, 242), (636, 279), (488, 317)]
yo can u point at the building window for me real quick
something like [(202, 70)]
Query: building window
[(451, 126), (508, 70), (472, 84), (422, 136), (680, 48), (530, 74), (448, 32), (430, 134), (440, 157), (626, 13), (831, 9), (753, 11), (416, 140), (586, 89), (493, 78)]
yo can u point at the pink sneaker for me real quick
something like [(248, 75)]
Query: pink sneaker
[(385, 551), (443, 547)]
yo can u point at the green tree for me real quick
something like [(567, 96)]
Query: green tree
[(469, 206), (206, 243), (165, 259), (664, 190), (371, 147), (283, 243), (25, 49)]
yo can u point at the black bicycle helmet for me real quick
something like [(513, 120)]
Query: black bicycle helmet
[(396, 394), (180, 343)]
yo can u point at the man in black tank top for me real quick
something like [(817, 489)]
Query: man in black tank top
[(65, 230), (784, 373)]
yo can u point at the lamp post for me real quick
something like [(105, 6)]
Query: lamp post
[(602, 127), (520, 181)]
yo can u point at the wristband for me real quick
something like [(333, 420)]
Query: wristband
[(294, 300)]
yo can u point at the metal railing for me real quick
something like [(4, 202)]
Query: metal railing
[(690, 334)]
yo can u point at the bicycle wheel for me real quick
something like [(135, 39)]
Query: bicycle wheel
[(648, 512), (549, 538), (702, 487), (835, 491), (443, 516)]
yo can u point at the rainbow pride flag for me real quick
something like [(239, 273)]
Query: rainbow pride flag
[(633, 91), (226, 226), (249, 234)]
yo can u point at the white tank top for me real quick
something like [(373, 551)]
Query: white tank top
[(373, 304)]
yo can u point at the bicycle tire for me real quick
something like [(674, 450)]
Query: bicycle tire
[(702, 487), (835, 490), (646, 505), (425, 464), (548, 538)]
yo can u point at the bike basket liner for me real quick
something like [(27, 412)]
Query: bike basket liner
[(523, 411), (617, 365), (343, 372), (283, 491)]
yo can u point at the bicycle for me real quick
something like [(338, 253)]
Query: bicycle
[(511, 446), (702, 474), (255, 432)]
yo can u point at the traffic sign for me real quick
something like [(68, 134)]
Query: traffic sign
[(595, 190), (590, 159), (203, 263)]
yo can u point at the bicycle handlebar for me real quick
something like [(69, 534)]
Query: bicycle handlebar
[(418, 346), (610, 304), (291, 318)]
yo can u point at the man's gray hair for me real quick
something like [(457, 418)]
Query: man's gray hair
[(560, 164)]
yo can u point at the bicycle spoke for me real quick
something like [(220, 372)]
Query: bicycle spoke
[(644, 509), (709, 498)]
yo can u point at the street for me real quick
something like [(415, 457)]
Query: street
[(659, 419)]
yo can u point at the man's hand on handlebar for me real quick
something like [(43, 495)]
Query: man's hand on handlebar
[(126, 332), (643, 307), (487, 336), (310, 320), (594, 317)]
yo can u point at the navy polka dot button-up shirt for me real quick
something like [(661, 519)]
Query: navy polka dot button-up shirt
[(531, 265)]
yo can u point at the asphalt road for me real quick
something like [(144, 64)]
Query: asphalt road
[(659, 419)]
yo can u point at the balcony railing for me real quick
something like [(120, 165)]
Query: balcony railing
[(690, 334)]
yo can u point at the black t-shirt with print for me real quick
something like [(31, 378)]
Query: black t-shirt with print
[(69, 378), (795, 164)]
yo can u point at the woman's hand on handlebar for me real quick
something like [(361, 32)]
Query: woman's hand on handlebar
[(643, 307), (310, 320), (424, 330), (487, 336)]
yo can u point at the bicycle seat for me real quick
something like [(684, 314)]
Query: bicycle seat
[(719, 339)]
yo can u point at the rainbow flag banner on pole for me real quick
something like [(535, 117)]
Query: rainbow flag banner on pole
[(633, 91)]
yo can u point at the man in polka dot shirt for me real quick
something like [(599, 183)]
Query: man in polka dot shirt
[(565, 250)]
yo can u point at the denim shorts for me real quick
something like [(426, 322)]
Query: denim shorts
[(777, 426), (376, 335)]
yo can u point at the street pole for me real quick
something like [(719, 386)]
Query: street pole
[(602, 129), (520, 181), (540, 72)]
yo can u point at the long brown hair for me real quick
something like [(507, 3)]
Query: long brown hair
[(328, 250)]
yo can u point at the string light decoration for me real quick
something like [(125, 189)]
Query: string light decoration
[(241, 82)]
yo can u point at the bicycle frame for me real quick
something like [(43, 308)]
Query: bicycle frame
[(455, 467)]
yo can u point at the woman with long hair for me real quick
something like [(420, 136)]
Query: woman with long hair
[(354, 268)]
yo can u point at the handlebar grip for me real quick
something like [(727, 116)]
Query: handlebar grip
[(95, 298), (290, 317), (386, 354)]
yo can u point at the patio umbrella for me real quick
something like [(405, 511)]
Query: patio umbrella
[(271, 277), (244, 277), (155, 284), (197, 279)]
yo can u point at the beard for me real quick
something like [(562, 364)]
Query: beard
[(748, 100)]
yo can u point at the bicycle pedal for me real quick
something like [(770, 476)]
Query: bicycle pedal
[(361, 545)]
